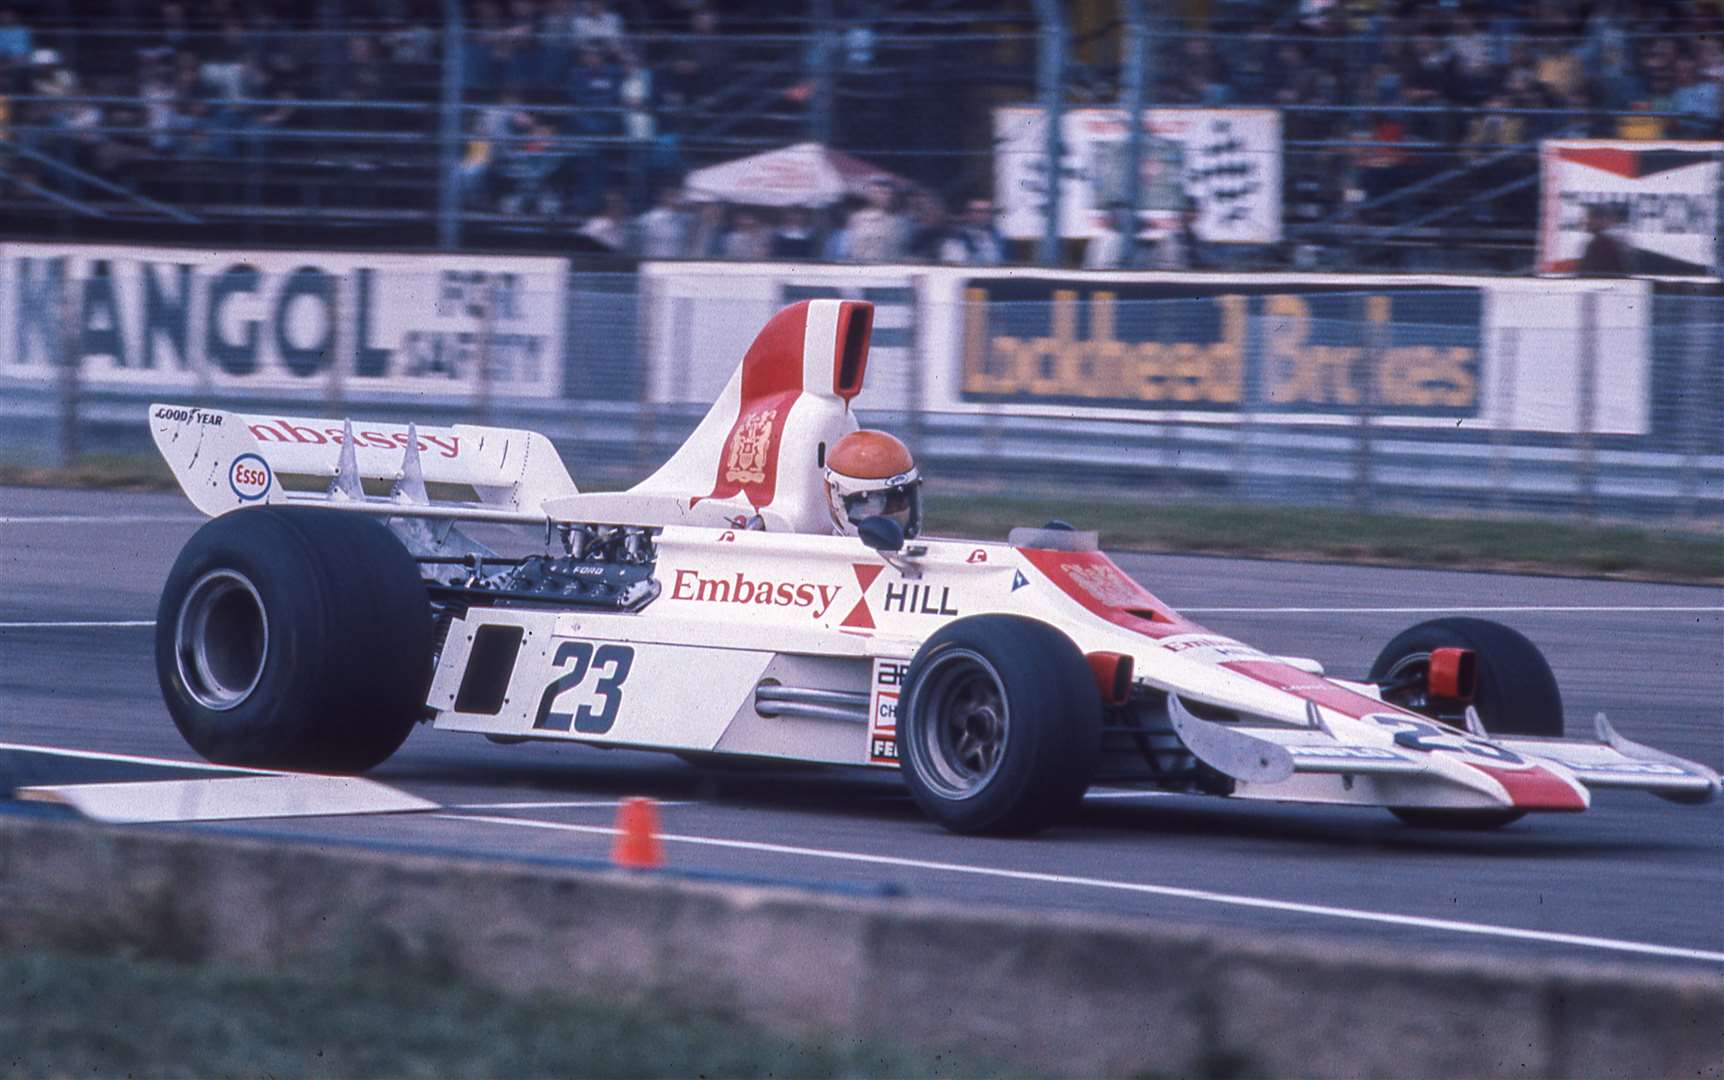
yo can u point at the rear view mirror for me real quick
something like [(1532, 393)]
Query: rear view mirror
[(881, 533)]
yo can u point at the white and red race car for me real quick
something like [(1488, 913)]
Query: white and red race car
[(335, 601)]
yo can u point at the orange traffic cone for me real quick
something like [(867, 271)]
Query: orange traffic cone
[(637, 845)]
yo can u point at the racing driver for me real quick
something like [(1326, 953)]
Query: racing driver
[(870, 473)]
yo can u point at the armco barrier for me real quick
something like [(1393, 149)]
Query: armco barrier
[(1594, 398), (1058, 993)]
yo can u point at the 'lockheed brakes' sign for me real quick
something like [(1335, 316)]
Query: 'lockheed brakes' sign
[(277, 320)]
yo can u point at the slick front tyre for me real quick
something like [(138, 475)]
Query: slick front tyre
[(1517, 695), (294, 638), (1456, 820), (999, 727)]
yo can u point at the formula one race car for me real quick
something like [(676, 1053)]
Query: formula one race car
[(714, 609)]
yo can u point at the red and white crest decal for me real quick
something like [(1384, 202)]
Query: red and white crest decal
[(749, 445)]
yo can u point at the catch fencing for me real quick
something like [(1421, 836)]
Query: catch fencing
[(1595, 399)]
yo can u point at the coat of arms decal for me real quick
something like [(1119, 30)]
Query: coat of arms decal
[(747, 461)]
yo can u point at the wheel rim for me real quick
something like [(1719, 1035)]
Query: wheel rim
[(221, 639), (963, 724)]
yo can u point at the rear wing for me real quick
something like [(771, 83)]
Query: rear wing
[(225, 461)]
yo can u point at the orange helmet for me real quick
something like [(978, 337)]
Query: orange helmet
[(870, 473)]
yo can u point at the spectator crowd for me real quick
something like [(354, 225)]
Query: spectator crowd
[(583, 113)]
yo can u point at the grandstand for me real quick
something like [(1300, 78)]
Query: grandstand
[(1409, 131)]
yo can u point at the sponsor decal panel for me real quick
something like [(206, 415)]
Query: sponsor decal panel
[(1223, 348), (1664, 194), (446, 445), (249, 477), (177, 415), (889, 676), (1626, 768), (1344, 753), (1215, 649), (918, 599), (747, 589), (239, 320)]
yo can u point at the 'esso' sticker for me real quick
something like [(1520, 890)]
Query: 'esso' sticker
[(249, 477)]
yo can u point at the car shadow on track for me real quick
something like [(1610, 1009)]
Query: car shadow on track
[(1368, 829), (596, 775), (457, 771)]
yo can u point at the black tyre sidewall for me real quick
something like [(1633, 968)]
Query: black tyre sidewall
[(1517, 693), (350, 640), (1420, 817), (1054, 713)]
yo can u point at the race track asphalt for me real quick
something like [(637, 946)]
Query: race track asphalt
[(1636, 880)]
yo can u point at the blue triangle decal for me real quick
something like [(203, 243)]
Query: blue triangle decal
[(1019, 580)]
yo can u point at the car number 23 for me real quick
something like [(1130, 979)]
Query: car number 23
[(576, 660)]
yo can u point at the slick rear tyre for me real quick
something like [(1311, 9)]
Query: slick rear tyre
[(999, 727), (294, 638), (1517, 695)]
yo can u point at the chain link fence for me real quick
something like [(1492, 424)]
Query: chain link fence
[(1569, 403)]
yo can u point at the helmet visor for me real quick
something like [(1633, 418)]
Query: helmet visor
[(903, 504)]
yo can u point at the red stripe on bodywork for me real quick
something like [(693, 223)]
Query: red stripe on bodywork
[(1310, 687), (1536, 788), (771, 383), (1102, 588)]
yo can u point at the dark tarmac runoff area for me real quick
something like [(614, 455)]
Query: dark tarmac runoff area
[(1635, 880)]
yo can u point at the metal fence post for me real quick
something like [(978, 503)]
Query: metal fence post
[(1050, 87), (1586, 464), (917, 422), (1717, 214), (1135, 60), (334, 377), (1251, 397), (487, 330), (1691, 396), (821, 61), (449, 157), (1507, 362), (70, 377), (1370, 355)]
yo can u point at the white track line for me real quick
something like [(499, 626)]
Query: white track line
[(78, 624), (1204, 896), (601, 804), (1578, 608), (134, 759), (102, 519)]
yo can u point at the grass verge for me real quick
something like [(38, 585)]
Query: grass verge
[(1667, 552), (79, 1015), (1671, 553), (116, 473)]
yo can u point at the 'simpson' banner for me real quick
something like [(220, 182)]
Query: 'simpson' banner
[(1665, 195), (283, 320)]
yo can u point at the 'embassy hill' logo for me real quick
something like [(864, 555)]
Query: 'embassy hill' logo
[(740, 589)]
